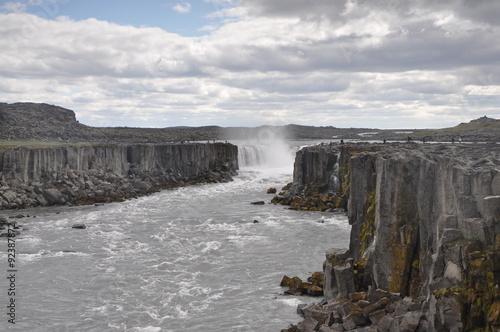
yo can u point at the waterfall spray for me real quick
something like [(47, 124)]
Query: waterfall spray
[(265, 148)]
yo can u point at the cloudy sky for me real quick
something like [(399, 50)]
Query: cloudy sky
[(342, 63)]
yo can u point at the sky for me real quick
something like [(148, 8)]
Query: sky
[(342, 63)]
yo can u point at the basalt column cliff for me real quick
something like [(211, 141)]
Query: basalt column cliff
[(424, 253), (107, 172)]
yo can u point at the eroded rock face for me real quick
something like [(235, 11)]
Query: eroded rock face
[(103, 173), (425, 224)]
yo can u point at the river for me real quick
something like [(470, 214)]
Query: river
[(198, 258)]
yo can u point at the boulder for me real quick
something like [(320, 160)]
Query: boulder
[(344, 276), (9, 195), (290, 282), (337, 327), (380, 304), (385, 323), (376, 316), (309, 324), (141, 185), (54, 196), (410, 321), (318, 313), (79, 226), (314, 291), (325, 328), (338, 279), (353, 320), (376, 294), (316, 279)]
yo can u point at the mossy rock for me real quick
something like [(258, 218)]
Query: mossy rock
[(290, 282), (316, 279), (493, 316), (315, 291)]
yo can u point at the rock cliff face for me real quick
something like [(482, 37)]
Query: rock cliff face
[(101, 173), (425, 226)]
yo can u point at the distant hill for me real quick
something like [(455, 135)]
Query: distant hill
[(33, 121), (481, 129), (43, 122)]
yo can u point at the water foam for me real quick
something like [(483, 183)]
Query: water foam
[(210, 246), (292, 302), (147, 329)]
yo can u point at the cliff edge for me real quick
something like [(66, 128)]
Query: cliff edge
[(424, 252), (107, 172)]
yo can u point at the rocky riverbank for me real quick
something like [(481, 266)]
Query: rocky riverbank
[(424, 253), (106, 173)]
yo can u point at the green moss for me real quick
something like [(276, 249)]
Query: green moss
[(343, 175), (401, 259), (457, 290), (478, 294), (416, 276), (368, 229)]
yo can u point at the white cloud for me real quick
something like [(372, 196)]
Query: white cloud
[(13, 7), (182, 8), (356, 63)]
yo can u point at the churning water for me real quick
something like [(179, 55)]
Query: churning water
[(190, 259)]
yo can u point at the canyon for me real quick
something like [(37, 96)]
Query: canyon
[(424, 251)]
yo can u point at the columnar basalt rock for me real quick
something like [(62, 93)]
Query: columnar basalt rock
[(104, 173), (425, 229)]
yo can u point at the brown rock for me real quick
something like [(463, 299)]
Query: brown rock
[(376, 316), (288, 282), (309, 324), (354, 319), (315, 291), (316, 279), (410, 321), (357, 296), (381, 304)]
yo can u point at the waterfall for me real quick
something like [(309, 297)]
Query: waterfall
[(271, 154), (334, 184), (250, 155)]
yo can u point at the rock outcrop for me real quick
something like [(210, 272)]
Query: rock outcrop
[(43, 122), (104, 173), (425, 232)]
